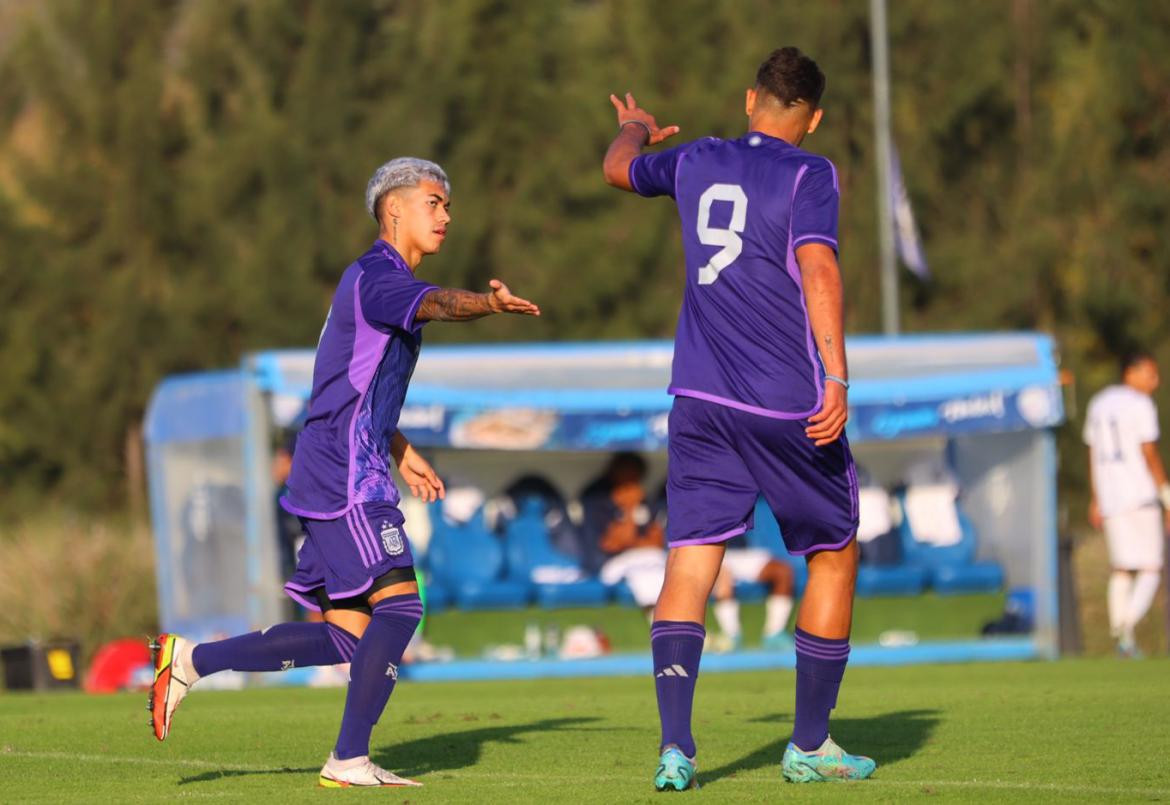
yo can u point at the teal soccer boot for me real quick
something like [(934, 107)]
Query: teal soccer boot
[(830, 763), (676, 771)]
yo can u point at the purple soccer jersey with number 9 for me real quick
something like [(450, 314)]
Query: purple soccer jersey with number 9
[(746, 205), (746, 370)]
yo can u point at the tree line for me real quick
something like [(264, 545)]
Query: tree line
[(183, 181)]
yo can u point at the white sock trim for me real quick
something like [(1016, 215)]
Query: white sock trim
[(777, 610), (1141, 597), (727, 615)]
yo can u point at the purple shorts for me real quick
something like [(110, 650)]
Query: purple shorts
[(721, 461), (347, 554)]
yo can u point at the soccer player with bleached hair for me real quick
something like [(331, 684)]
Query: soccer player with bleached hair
[(760, 383), (1130, 493), (355, 566)]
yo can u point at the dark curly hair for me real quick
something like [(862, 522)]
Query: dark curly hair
[(1134, 358), (789, 76)]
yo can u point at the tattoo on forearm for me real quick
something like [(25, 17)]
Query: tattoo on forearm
[(453, 304), (828, 343)]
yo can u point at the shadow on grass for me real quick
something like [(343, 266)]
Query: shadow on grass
[(434, 753), (886, 738), (458, 750)]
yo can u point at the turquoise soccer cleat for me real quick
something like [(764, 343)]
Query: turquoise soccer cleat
[(676, 771), (780, 641), (828, 764)]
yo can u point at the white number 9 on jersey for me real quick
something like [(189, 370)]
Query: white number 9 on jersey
[(728, 238)]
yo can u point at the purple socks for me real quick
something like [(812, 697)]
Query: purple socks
[(677, 647), (820, 664), (374, 670), (277, 648), (373, 660)]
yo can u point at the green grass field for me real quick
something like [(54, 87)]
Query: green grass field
[(1086, 730), (930, 616)]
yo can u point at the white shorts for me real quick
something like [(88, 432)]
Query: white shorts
[(746, 564), (1136, 539), (642, 569)]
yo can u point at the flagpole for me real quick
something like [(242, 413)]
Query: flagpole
[(879, 45)]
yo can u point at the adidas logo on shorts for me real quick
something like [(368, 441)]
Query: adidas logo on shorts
[(672, 670)]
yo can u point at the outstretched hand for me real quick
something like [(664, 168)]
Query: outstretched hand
[(502, 300), (629, 111)]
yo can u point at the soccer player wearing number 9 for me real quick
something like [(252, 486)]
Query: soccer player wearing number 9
[(1128, 484), (760, 384)]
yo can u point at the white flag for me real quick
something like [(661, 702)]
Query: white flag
[(905, 230)]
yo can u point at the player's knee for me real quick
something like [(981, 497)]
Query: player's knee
[(840, 563), (351, 621), (405, 609)]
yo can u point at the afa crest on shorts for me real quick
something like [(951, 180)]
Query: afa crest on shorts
[(391, 539)]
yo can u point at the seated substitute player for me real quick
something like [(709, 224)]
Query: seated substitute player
[(1128, 483), (741, 562), (356, 565), (757, 410)]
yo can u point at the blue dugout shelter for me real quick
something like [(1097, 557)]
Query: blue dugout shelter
[(986, 402)]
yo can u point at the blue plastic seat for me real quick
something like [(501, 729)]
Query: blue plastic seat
[(584, 593), (747, 592), (873, 580), (527, 546), (438, 597), (468, 561), (978, 577), (622, 594), (951, 568), (924, 554)]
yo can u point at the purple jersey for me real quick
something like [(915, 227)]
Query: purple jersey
[(744, 338), (365, 358)]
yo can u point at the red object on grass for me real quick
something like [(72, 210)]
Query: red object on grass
[(114, 665)]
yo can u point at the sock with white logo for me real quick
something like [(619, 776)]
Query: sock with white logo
[(677, 647), (374, 670), (277, 648)]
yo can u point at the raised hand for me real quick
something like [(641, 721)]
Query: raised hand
[(628, 111), (502, 300)]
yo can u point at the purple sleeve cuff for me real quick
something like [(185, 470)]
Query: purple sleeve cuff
[(630, 175), (804, 240), (408, 322)]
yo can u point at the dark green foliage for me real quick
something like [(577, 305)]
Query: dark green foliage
[(182, 181)]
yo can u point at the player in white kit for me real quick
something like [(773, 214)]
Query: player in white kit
[(1130, 492)]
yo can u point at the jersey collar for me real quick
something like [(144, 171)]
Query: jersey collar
[(384, 249)]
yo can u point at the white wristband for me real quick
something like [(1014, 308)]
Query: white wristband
[(1164, 496)]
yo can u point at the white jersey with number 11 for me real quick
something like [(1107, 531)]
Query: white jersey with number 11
[(1120, 420)]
